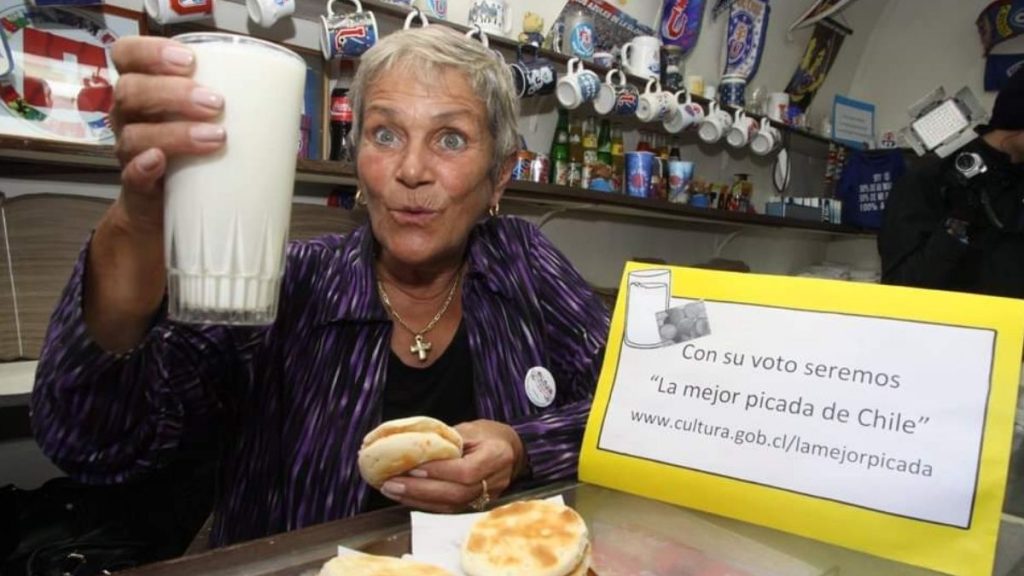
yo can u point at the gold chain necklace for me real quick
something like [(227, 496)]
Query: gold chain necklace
[(422, 346)]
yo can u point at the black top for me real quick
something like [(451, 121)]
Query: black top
[(917, 250), (443, 390)]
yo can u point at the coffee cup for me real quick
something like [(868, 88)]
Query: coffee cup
[(347, 35), (175, 11), (716, 123), (617, 98), (680, 174), (436, 9), (266, 13), (778, 106), (767, 140), (579, 85), (742, 131), (731, 90), (688, 113), (604, 59), (655, 103), (640, 172), (412, 16), (532, 74), (492, 16), (641, 56)]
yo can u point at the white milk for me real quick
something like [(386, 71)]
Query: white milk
[(226, 215)]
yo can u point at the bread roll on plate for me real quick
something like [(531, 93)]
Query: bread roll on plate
[(529, 538), (370, 565), (397, 446)]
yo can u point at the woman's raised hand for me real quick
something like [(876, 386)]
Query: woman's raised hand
[(159, 112)]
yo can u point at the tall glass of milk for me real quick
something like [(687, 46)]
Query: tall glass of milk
[(649, 292), (226, 214)]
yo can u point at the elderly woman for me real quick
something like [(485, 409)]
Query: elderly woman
[(438, 307)]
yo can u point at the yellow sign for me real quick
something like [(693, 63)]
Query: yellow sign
[(878, 418)]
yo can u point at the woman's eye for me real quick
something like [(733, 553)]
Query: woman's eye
[(384, 136), (453, 141)]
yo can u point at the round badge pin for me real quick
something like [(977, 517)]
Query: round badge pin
[(540, 386)]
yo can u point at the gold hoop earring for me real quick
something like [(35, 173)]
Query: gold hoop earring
[(494, 210), (360, 198)]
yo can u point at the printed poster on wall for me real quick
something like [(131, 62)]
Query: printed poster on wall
[(878, 417), (60, 80)]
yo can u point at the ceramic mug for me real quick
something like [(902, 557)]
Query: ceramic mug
[(767, 139), (579, 85), (617, 98), (347, 35), (174, 11), (688, 113), (266, 13), (778, 105), (412, 16), (716, 123), (604, 59), (436, 9), (743, 129), (731, 90), (492, 16), (532, 75), (655, 103), (641, 56)]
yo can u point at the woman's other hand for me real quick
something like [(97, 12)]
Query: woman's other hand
[(492, 451)]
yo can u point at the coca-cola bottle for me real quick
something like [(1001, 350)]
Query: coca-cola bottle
[(341, 124)]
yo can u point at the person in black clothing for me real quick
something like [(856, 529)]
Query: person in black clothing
[(943, 229)]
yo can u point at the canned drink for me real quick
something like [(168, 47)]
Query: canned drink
[(540, 168), (523, 166)]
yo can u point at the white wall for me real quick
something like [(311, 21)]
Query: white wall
[(918, 45)]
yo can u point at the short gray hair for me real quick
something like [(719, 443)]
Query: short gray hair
[(428, 50)]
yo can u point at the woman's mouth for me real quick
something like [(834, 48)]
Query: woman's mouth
[(413, 216)]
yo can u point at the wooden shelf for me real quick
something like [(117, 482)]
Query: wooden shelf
[(42, 159)]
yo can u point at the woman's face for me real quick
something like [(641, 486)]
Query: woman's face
[(424, 157)]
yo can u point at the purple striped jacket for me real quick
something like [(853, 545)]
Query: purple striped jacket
[(291, 402)]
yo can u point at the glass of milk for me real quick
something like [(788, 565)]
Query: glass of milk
[(649, 292), (226, 214)]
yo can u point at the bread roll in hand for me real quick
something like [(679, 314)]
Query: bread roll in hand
[(397, 446)]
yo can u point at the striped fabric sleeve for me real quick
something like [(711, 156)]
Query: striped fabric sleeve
[(108, 418), (576, 324)]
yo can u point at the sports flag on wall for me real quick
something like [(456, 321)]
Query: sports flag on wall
[(821, 52), (999, 68), (818, 11), (680, 23), (748, 23), (999, 21)]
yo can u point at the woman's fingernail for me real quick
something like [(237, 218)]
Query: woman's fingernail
[(207, 99), (178, 56), (207, 133), (393, 488), (149, 160), (418, 473)]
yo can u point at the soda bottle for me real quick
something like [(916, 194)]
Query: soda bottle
[(341, 124), (575, 152), (589, 150), (618, 153), (560, 151), (604, 143)]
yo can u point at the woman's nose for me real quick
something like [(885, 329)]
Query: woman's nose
[(415, 169)]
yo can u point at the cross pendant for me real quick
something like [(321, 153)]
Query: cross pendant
[(420, 348)]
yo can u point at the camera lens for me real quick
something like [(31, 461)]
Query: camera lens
[(966, 162)]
